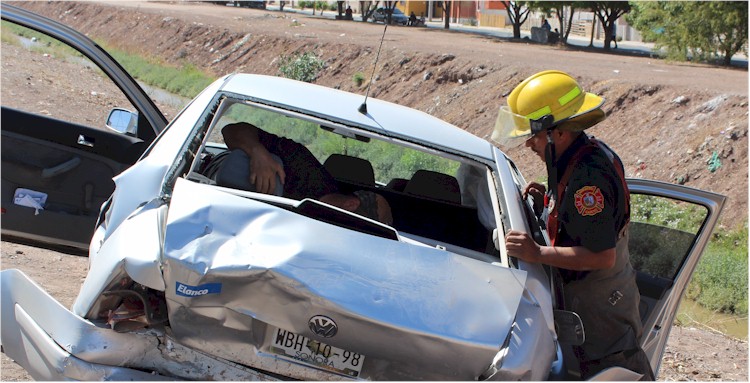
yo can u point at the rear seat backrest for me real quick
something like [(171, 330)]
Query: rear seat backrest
[(350, 169), (397, 184), (438, 186)]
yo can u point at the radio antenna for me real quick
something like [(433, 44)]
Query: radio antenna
[(363, 108)]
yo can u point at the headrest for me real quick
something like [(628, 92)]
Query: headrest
[(397, 184), (439, 186), (350, 169)]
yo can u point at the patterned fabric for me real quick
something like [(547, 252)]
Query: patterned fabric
[(368, 205)]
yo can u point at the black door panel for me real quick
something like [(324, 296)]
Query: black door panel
[(43, 155)]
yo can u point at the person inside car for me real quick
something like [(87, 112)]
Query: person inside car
[(263, 162)]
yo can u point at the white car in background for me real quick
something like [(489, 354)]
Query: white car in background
[(191, 280)]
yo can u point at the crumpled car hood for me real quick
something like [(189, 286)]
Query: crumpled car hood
[(233, 266)]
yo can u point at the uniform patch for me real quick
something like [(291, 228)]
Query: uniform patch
[(589, 200)]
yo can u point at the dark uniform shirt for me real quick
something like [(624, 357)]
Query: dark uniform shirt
[(592, 211), (305, 176)]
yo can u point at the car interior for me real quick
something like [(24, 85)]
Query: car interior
[(428, 204)]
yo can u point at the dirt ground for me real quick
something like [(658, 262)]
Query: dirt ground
[(665, 120), (692, 354)]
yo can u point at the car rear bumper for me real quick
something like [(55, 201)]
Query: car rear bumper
[(35, 327), (52, 343)]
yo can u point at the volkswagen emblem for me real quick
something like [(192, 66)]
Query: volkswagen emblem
[(323, 326)]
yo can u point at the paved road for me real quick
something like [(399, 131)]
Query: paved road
[(633, 47)]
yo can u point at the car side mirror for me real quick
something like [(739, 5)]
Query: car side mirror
[(123, 121)]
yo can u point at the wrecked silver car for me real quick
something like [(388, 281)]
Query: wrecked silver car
[(192, 280)]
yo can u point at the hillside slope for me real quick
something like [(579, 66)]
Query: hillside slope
[(665, 120)]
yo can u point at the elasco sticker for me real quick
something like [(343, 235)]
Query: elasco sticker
[(196, 291)]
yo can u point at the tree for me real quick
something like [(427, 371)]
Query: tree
[(367, 8), (563, 9), (518, 12), (699, 31), (608, 12), (560, 9), (321, 5), (447, 5), (389, 7)]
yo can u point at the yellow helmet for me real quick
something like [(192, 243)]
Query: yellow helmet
[(546, 100)]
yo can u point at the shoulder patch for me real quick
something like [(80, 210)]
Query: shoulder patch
[(589, 201)]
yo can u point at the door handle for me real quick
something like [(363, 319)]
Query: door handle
[(85, 141), (61, 168)]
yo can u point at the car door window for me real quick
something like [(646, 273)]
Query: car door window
[(669, 230), (325, 142), (436, 198), (662, 233), (58, 155), (44, 76)]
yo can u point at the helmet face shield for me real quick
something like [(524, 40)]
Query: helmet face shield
[(511, 130)]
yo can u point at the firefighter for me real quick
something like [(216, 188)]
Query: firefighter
[(586, 210)]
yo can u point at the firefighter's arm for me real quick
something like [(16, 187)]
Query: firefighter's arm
[(522, 246)]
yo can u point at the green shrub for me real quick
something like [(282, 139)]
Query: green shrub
[(186, 80), (661, 233), (358, 78), (657, 211), (14, 34), (303, 67), (720, 281)]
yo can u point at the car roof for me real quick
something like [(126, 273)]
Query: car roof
[(342, 107)]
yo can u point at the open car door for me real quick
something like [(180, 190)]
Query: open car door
[(669, 230), (60, 149)]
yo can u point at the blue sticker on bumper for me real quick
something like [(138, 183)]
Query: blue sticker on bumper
[(196, 291)]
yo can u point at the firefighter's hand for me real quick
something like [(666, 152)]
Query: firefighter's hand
[(522, 246)]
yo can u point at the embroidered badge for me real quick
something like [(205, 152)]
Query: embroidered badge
[(589, 200)]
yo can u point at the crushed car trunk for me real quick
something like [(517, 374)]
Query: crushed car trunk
[(244, 277)]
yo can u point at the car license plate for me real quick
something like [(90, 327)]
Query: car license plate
[(309, 351)]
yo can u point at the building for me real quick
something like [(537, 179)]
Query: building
[(492, 13)]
